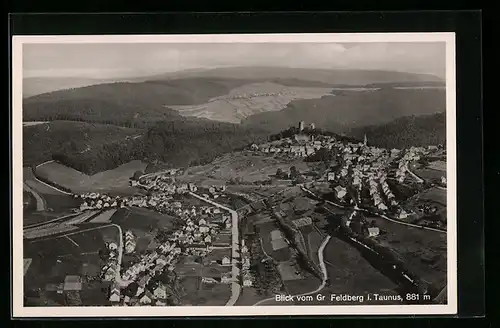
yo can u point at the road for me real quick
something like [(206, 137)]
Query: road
[(235, 285), (323, 270), (383, 216), (40, 203)]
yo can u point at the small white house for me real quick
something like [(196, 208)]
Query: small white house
[(226, 260), (373, 231)]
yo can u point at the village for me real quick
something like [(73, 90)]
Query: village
[(202, 230), (360, 174)]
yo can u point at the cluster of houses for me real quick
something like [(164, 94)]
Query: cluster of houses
[(98, 201), (301, 145), (129, 242), (194, 237), (163, 183), (110, 269), (246, 276), (215, 191)]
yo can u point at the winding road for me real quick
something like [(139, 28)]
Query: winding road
[(235, 285), (323, 270)]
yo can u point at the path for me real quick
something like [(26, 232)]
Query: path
[(323, 270), (40, 203), (235, 285)]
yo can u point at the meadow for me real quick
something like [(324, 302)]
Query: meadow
[(114, 181)]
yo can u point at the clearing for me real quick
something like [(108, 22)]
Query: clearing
[(114, 181)]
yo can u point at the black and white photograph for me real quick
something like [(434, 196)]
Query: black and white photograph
[(203, 175)]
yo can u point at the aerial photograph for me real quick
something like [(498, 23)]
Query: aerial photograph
[(234, 174)]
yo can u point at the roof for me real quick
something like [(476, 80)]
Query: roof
[(72, 283), (276, 234), (278, 244)]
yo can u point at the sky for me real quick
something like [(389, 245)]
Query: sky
[(104, 61)]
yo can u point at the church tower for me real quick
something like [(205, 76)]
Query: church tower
[(365, 141)]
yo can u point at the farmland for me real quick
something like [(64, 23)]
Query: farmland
[(114, 181), (250, 99), (242, 167), (142, 219), (75, 253), (349, 272), (430, 174), (423, 251)]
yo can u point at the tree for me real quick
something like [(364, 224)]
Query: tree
[(294, 173), (279, 173), (137, 175)]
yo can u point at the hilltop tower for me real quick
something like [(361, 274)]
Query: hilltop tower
[(312, 126), (301, 126), (365, 141)]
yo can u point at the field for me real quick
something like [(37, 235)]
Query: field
[(434, 194), (47, 273), (282, 254), (430, 174), (76, 253), (201, 294), (114, 181), (424, 252), (349, 272), (142, 219), (250, 99), (244, 167)]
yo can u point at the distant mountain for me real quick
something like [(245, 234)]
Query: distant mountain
[(328, 76), (37, 85), (406, 132), (344, 110)]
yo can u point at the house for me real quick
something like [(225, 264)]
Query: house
[(373, 231), (204, 229), (244, 249), (331, 176), (160, 292), (192, 187), (340, 192), (226, 278), (403, 214), (208, 239), (208, 280), (226, 260), (114, 296), (147, 298), (202, 222), (247, 282)]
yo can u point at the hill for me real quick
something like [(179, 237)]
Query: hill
[(41, 141), (349, 109), (33, 86), (327, 76), (406, 132), (92, 148)]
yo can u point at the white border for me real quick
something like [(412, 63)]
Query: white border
[(18, 310)]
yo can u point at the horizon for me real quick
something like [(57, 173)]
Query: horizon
[(220, 67), (132, 60)]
